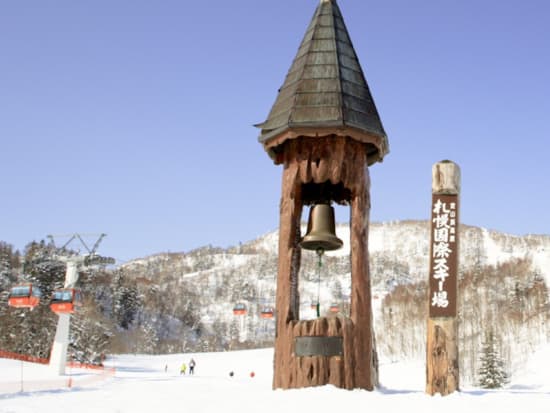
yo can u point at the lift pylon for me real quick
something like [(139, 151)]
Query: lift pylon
[(58, 355)]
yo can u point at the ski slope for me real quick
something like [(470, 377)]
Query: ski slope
[(141, 384)]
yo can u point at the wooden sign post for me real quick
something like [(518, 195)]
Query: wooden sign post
[(442, 372)]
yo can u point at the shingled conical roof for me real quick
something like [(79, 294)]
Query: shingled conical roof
[(325, 90)]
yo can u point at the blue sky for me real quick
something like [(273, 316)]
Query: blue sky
[(134, 118)]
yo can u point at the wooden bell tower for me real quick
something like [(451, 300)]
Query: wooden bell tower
[(325, 130)]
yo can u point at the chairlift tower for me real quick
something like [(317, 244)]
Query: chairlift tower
[(58, 355)]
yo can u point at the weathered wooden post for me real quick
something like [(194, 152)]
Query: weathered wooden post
[(442, 372), (325, 130)]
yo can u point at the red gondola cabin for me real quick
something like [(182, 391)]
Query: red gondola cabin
[(66, 300), (334, 308), (267, 312), (24, 296), (239, 309)]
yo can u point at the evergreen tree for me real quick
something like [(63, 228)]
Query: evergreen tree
[(126, 302), (91, 334), (492, 374), (147, 338), (9, 261), (42, 269), (21, 330)]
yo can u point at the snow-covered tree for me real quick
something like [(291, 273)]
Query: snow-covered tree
[(148, 338), (491, 373), (9, 263), (91, 334), (125, 300)]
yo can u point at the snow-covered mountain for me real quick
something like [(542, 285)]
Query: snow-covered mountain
[(174, 302), (409, 242), (513, 271), (403, 242)]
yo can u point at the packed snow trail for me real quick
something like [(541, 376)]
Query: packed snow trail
[(141, 384)]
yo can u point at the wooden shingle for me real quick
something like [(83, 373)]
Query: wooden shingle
[(325, 91)]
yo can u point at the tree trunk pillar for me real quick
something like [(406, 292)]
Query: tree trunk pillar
[(287, 277), (335, 350), (442, 368), (366, 368)]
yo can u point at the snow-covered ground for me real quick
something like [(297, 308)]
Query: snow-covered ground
[(141, 384)]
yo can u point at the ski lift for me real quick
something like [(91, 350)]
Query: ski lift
[(334, 308), (239, 309), (24, 296), (66, 300), (314, 305), (267, 313)]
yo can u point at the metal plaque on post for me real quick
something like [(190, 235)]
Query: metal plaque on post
[(318, 346), (444, 256)]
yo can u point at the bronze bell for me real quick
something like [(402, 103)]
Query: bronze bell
[(321, 230)]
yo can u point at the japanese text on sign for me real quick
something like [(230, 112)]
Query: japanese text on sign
[(443, 255)]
